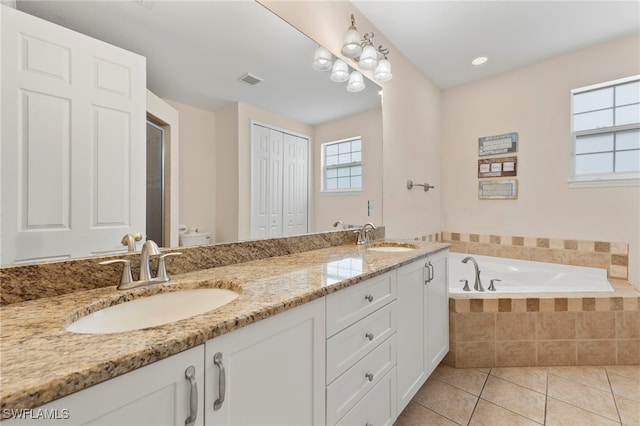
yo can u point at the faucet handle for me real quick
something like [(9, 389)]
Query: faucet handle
[(492, 287), (466, 285), (126, 270), (162, 267)]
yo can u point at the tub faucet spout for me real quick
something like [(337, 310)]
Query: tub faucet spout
[(477, 286)]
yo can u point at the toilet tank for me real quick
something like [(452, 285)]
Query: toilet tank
[(194, 239)]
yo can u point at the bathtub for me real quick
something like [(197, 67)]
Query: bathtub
[(523, 276)]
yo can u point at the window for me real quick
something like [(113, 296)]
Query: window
[(342, 165), (606, 133)]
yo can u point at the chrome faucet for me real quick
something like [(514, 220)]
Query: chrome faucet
[(149, 249), (363, 233), (477, 286)]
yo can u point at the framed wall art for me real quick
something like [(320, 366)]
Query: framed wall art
[(504, 189), (498, 144)]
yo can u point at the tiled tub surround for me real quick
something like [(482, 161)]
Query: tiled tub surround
[(614, 257), (33, 281), (545, 329), (42, 362)]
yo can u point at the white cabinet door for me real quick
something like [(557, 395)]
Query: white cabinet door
[(269, 373), (158, 394), (437, 311), (73, 142), (423, 323), (411, 331)]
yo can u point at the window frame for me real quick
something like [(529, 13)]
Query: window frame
[(324, 168), (608, 178)]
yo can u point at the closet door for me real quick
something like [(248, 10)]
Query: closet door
[(73, 142), (295, 185), (276, 170), (279, 183), (266, 182), (259, 181)]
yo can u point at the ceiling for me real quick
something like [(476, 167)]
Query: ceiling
[(196, 50), (442, 37)]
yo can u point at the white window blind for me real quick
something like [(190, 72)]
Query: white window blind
[(342, 165), (606, 131)]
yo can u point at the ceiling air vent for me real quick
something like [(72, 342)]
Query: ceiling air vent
[(250, 79)]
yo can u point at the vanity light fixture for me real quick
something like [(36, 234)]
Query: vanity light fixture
[(361, 50), (356, 82)]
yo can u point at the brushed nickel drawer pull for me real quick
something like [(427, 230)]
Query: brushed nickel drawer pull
[(369, 297), (217, 360), (369, 376), (369, 336), (190, 374)]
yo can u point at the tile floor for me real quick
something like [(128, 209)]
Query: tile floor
[(513, 396)]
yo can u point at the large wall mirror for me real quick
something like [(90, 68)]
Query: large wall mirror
[(196, 53)]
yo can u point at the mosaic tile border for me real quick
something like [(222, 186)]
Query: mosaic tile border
[(536, 304), (612, 256)]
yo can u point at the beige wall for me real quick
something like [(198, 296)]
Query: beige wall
[(227, 174), (535, 102), (410, 117), (349, 207), (197, 167)]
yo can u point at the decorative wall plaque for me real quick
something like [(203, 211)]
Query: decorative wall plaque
[(506, 189), (498, 167), (499, 144)]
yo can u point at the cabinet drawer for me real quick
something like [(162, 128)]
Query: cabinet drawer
[(349, 346), (378, 407), (347, 306), (349, 388)]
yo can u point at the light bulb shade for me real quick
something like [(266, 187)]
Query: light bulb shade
[(356, 82), (368, 58), (383, 71), (340, 71), (351, 47), (322, 59)]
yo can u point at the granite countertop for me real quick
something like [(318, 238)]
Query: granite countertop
[(41, 361)]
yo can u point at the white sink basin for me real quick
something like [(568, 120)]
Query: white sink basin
[(152, 311), (391, 248)]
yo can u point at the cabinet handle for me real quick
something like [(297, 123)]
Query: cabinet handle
[(190, 374), (431, 272), (217, 360), (427, 271), (369, 424), (369, 298), (369, 376), (369, 336)]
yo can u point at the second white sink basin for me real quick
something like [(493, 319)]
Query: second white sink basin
[(152, 311), (391, 248)]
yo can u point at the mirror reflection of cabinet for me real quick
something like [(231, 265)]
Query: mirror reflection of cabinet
[(73, 149), (279, 182)]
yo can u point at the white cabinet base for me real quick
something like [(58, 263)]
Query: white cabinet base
[(274, 371)]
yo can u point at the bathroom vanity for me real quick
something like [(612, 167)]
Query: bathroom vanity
[(339, 335)]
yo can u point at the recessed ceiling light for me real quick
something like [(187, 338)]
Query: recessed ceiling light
[(479, 60)]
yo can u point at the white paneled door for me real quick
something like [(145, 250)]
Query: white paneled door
[(73, 142), (279, 183)]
